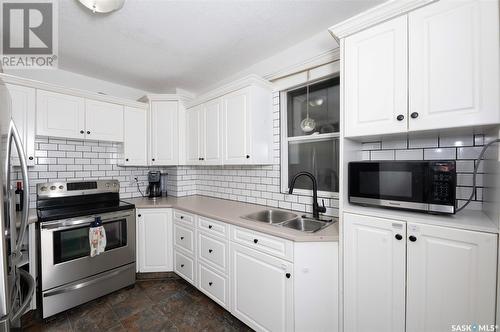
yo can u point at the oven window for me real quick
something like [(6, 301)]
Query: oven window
[(74, 243), (383, 184)]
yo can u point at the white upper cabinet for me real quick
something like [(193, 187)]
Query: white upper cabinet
[(211, 132), (193, 135), (60, 115), (454, 64), (164, 131), (433, 67), (135, 147), (23, 107), (238, 140), (375, 79), (103, 121), (374, 274), (451, 278)]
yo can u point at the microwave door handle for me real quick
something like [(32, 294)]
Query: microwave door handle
[(14, 136)]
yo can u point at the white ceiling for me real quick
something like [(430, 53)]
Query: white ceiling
[(159, 45)]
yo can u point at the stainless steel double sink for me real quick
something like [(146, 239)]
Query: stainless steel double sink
[(289, 220)]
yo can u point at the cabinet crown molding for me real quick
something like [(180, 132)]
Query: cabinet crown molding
[(70, 91), (375, 15), (230, 87)]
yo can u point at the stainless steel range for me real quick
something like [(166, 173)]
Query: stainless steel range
[(68, 275)]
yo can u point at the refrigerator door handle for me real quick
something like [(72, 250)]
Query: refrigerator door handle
[(13, 135), (29, 295)]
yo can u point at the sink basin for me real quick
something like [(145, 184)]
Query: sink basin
[(306, 224), (271, 216)]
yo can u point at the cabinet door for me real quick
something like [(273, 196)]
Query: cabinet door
[(164, 133), (237, 138), (193, 139), (375, 79), (453, 63), (212, 132), (154, 240), (60, 115), (103, 121), (262, 290), (374, 274), (451, 278), (135, 149), (23, 114)]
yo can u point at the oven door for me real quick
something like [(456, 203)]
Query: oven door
[(65, 249), (391, 184)]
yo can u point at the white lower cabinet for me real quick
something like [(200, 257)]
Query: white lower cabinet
[(451, 278), (402, 276), (262, 289), (269, 283), (154, 240)]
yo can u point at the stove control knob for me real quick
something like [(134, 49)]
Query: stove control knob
[(43, 189), (107, 185), (61, 187), (52, 187)]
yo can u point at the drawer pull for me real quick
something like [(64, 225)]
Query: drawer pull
[(255, 240), (182, 217), (210, 226), (210, 251), (288, 275), (210, 283), (182, 237), (182, 265)]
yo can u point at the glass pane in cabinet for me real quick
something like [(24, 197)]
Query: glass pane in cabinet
[(323, 114), (317, 157)]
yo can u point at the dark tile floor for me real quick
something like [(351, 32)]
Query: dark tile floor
[(169, 304)]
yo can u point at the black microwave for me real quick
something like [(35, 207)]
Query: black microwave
[(428, 186)]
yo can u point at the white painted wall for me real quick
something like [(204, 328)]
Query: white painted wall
[(77, 81), (308, 49)]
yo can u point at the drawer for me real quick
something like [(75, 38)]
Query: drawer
[(214, 285), (184, 218), (213, 251), (184, 266), (266, 243), (213, 227), (184, 238)]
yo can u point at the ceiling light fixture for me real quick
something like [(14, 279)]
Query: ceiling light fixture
[(102, 6)]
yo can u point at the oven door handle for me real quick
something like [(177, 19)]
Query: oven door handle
[(66, 289), (75, 223)]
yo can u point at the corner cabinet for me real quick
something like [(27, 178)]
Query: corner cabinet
[(434, 67), (154, 240), (235, 128), (164, 129), (449, 276), (23, 108)]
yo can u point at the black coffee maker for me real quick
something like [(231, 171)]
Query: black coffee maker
[(154, 187)]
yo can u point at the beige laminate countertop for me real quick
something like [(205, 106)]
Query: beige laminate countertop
[(231, 212)]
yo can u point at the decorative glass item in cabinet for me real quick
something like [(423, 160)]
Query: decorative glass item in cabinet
[(314, 109), (319, 157)]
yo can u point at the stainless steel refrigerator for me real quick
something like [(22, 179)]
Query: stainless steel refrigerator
[(16, 285)]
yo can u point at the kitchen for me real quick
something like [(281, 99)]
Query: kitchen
[(346, 181)]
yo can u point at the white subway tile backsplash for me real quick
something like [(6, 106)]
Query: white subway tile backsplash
[(372, 146), (440, 153), (469, 152), (456, 140), (382, 155), (395, 144), (423, 142), (413, 154)]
